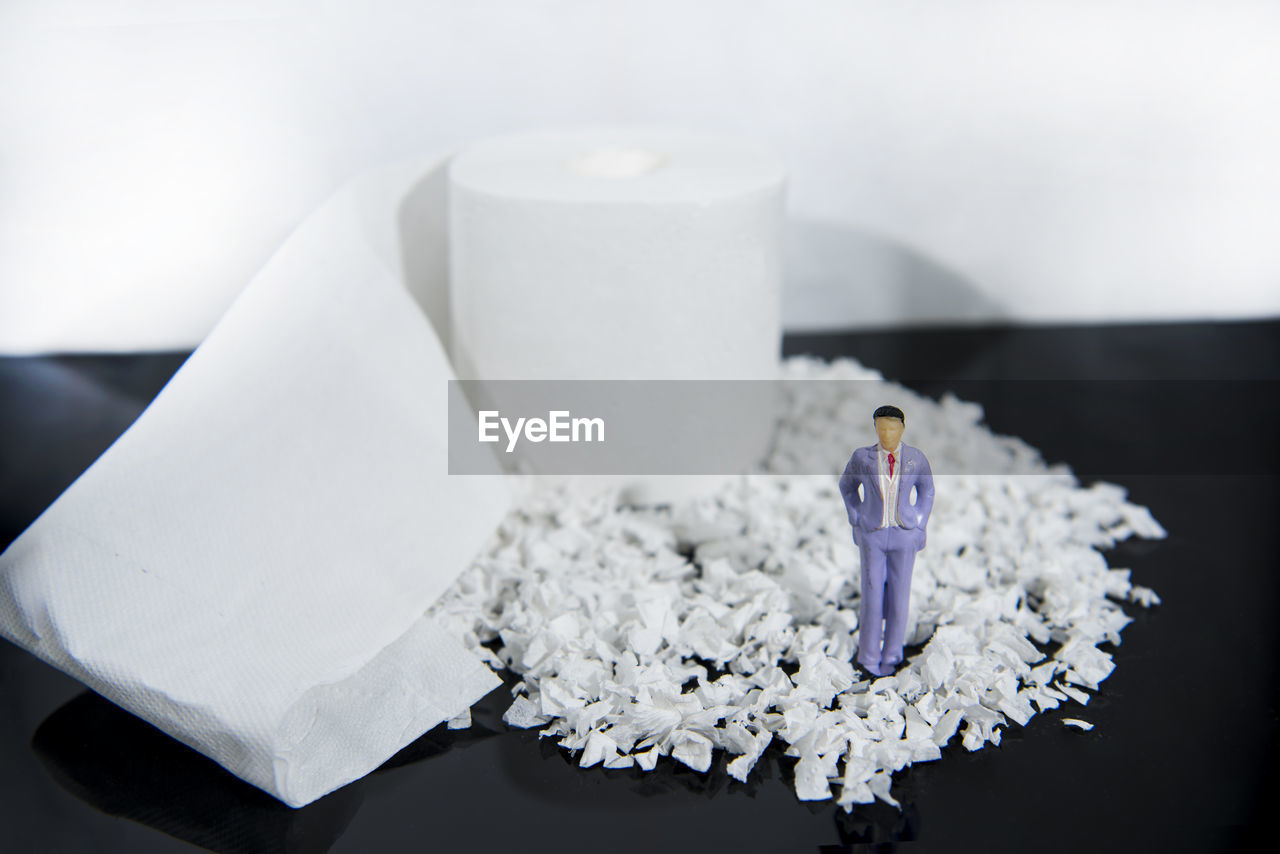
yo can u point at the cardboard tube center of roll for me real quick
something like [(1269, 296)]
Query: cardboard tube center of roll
[(617, 162)]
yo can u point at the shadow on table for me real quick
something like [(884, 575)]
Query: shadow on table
[(773, 778), (539, 767), (125, 767)]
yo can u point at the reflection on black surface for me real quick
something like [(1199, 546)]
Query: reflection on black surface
[(125, 767), (1143, 761), (668, 776), (877, 823), (441, 739)]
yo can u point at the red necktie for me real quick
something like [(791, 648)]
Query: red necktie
[(891, 465)]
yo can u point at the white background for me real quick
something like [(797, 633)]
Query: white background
[(994, 160)]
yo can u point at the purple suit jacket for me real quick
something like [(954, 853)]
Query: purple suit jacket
[(867, 510)]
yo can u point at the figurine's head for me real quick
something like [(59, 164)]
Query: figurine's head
[(890, 422)]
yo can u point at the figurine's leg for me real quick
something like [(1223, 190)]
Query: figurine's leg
[(871, 612), (900, 558)]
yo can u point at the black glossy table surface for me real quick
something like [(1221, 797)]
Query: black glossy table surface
[(1182, 757)]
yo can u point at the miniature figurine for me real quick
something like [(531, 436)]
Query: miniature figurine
[(888, 529)]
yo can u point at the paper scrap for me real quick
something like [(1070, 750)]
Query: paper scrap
[(748, 644)]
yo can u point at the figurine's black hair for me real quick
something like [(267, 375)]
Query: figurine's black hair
[(889, 412)]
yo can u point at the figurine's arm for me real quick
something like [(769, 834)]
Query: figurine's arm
[(849, 491), (924, 493)]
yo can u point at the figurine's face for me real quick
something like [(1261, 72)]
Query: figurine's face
[(890, 432)]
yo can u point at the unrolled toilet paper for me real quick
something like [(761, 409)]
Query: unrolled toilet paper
[(247, 567), (616, 254)]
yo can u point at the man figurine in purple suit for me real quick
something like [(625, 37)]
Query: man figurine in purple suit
[(888, 529)]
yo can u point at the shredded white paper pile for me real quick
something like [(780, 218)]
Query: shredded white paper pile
[(629, 651)]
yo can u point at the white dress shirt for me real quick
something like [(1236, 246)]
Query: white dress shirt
[(889, 485)]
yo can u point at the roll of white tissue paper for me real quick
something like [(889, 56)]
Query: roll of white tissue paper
[(616, 254)]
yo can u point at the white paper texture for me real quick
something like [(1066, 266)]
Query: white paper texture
[(673, 272), (619, 254), (247, 567)]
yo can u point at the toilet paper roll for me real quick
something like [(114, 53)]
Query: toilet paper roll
[(616, 254)]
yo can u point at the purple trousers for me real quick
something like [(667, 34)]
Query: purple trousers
[(888, 555)]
